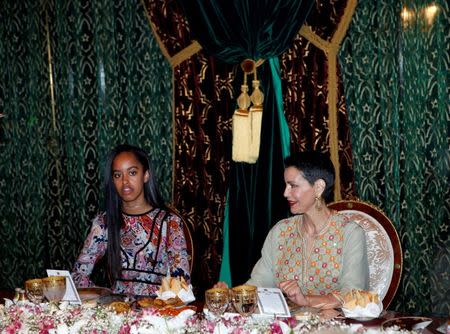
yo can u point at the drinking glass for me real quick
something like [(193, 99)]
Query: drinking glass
[(217, 300), (35, 290), (244, 299), (54, 288)]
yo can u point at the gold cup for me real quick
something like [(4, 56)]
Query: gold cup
[(34, 289), (54, 288), (217, 300), (244, 299)]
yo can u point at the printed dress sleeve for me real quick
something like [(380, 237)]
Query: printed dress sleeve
[(94, 249), (177, 248)]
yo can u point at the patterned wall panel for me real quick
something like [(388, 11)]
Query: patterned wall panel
[(110, 84), (395, 62)]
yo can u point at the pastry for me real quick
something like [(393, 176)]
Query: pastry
[(359, 298), (146, 302), (120, 307)]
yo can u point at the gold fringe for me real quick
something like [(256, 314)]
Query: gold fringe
[(255, 128), (331, 50), (241, 137)]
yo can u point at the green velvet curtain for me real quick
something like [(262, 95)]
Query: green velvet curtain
[(256, 200), (237, 29), (109, 84), (232, 32), (395, 63)]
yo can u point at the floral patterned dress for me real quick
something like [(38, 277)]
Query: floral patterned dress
[(152, 245)]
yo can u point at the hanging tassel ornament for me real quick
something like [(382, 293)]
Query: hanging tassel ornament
[(256, 111), (241, 126)]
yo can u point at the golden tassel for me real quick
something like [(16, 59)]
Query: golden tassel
[(241, 126), (256, 111)]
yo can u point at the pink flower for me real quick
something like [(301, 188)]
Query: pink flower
[(125, 329), (291, 321), (275, 328), (13, 327)]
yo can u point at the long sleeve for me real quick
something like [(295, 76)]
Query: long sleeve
[(355, 273), (263, 272), (177, 249), (94, 248)]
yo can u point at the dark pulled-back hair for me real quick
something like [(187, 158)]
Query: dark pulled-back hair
[(113, 203), (314, 166)]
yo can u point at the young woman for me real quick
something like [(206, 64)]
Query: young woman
[(142, 239)]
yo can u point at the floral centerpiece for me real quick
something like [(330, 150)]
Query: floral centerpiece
[(71, 319)]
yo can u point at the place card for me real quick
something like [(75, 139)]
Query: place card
[(71, 294), (272, 302)]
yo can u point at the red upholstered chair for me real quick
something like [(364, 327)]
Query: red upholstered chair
[(384, 250)]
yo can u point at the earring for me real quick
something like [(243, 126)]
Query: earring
[(318, 203)]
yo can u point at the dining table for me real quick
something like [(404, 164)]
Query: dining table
[(63, 319)]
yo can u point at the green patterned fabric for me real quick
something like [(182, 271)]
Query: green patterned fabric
[(396, 75), (111, 85)]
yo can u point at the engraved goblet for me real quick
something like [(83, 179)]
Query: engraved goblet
[(35, 290), (217, 300), (244, 299), (54, 288)]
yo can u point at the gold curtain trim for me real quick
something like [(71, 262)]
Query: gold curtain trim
[(173, 141), (174, 61), (331, 50), (179, 57), (50, 72), (155, 34), (186, 53)]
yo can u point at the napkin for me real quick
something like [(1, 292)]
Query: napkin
[(371, 310), (173, 287), (361, 304)]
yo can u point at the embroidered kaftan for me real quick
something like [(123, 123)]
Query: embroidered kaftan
[(337, 262)]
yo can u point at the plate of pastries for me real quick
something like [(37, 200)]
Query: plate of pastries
[(168, 297)]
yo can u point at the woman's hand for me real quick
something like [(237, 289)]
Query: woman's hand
[(222, 285), (293, 292)]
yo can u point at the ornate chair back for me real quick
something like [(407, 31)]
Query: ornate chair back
[(384, 250)]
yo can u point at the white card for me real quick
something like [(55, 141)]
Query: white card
[(71, 294), (271, 302)]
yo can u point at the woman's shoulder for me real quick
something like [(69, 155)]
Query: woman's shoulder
[(168, 214), (98, 224), (347, 222), (284, 223), (100, 218)]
